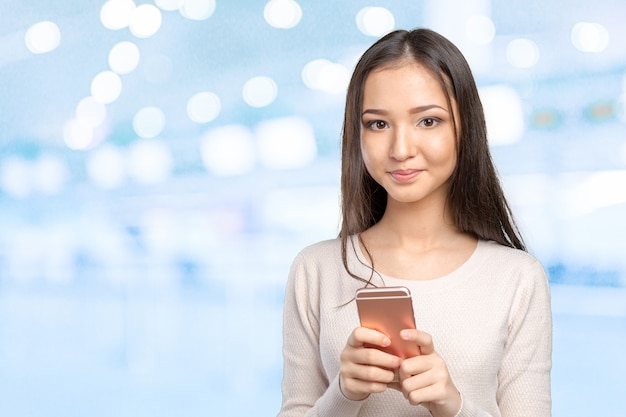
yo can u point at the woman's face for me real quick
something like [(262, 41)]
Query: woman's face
[(407, 133)]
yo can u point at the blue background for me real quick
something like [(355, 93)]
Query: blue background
[(163, 296)]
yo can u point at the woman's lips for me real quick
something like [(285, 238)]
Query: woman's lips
[(405, 175)]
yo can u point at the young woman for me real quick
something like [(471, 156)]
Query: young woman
[(422, 208)]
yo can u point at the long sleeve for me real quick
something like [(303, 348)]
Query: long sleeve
[(306, 389), (527, 359), (523, 377)]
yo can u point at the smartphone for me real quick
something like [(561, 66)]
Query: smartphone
[(388, 310)]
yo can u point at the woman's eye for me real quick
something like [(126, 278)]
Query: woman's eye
[(377, 124), (429, 122)]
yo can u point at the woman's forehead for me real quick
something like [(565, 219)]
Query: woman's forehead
[(409, 80)]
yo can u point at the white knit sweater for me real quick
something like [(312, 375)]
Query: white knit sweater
[(490, 320)]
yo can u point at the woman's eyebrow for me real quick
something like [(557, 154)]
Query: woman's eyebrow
[(427, 107), (414, 110)]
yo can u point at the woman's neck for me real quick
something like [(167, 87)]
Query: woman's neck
[(425, 225), (417, 242)]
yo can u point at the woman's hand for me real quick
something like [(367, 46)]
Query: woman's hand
[(365, 370), (425, 378)]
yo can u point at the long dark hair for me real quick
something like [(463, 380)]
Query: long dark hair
[(475, 197)]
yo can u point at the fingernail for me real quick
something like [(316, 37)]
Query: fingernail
[(386, 341), (405, 334)]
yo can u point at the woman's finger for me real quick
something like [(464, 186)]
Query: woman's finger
[(422, 339), (371, 357), (362, 336)]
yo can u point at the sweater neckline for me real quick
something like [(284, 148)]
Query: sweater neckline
[(359, 263)]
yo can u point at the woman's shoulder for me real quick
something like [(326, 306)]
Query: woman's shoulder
[(503, 257), (318, 267), (493, 248), (321, 250), (318, 256)]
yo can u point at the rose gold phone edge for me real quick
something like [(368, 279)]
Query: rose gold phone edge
[(388, 310)]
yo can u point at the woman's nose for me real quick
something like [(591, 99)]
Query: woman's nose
[(403, 144)]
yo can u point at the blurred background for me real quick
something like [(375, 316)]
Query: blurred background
[(161, 163)]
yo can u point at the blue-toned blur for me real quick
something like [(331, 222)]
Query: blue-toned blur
[(161, 163)]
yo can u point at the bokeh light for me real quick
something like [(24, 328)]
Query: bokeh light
[(282, 14), (260, 91), (303, 209), (228, 150), (106, 87), (375, 21), (15, 177), (78, 134), (91, 112), (286, 143), (50, 174), (480, 29), (116, 14), (43, 37), (149, 161), (106, 167), (145, 21), (124, 57), (203, 107), (168, 5), (598, 190), (590, 37), (327, 76), (197, 9), (149, 122), (504, 114), (522, 53)]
